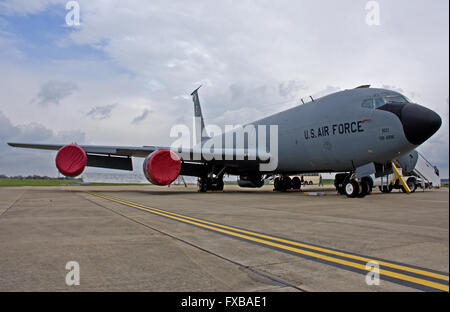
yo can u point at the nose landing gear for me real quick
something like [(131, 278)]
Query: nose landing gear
[(351, 188), (347, 184)]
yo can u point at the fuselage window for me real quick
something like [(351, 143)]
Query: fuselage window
[(368, 103)]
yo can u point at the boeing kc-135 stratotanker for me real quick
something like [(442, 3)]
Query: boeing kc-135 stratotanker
[(358, 131)]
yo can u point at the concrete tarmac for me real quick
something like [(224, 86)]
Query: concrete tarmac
[(120, 248)]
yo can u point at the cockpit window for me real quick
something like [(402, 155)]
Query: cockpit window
[(395, 99), (379, 102), (407, 99), (368, 103)]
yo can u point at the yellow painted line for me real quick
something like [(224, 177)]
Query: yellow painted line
[(286, 241), (284, 247), (342, 254)]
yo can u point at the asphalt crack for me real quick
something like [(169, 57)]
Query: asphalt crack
[(12, 205)]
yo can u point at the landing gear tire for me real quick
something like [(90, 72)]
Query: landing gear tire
[(296, 183), (365, 188), (282, 184), (202, 185), (351, 188), (219, 185), (276, 184), (287, 183), (386, 189), (339, 182)]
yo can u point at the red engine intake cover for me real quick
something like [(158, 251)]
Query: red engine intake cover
[(71, 160), (162, 167)]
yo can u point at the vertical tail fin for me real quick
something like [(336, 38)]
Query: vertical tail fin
[(200, 132)]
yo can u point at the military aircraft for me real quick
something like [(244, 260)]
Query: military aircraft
[(356, 132)]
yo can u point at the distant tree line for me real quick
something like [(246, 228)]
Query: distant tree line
[(34, 177)]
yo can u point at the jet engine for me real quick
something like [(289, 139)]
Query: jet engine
[(71, 160), (162, 167)]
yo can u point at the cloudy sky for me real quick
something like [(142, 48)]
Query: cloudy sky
[(123, 76)]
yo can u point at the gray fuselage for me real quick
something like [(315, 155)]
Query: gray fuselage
[(339, 133)]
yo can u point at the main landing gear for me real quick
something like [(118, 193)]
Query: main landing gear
[(282, 184), (347, 184), (210, 184)]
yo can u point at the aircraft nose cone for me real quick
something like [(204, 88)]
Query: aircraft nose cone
[(419, 123)]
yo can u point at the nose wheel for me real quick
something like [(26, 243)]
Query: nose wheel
[(352, 188)]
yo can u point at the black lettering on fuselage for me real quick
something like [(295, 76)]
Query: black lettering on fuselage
[(347, 127), (342, 128)]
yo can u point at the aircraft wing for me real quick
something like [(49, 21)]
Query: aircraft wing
[(97, 149), (195, 154), (118, 157)]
